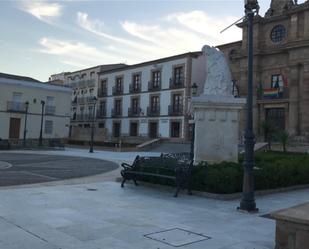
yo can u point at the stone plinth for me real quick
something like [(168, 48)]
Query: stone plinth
[(292, 227), (216, 128)]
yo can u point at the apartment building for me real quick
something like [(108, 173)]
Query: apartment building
[(23, 103), (148, 100), (84, 85)]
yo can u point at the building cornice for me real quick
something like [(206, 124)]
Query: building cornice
[(147, 63)]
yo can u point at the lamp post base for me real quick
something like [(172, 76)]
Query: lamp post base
[(248, 207)]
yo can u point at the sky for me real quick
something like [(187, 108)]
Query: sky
[(40, 38)]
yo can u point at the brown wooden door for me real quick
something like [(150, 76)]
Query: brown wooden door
[(14, 128), (153, 130)]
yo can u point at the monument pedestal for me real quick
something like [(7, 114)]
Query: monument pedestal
[(216, 128)]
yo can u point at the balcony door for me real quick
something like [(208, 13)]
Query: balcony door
[(177, 102), (14, 128), (178, 75), (154, 103)]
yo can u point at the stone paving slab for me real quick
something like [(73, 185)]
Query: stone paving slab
[(72, 217)]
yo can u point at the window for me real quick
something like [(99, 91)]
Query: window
[(86, 125), (118, 104), (119, 84), (101, 125), (154, 103), (135, 105), (102, 108), (136, 82), (156, 78), (48, 127), (278, 34), (178, 75), (133, 129), (177, 103), (278, 81), (50, 101), (102, 88)]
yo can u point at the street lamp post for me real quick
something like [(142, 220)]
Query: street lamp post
[(41, 130), (248, 200), (92, 125), (25, 126), (194, 92)]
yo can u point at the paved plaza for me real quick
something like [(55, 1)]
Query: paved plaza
[(99, 214), (19, 168)]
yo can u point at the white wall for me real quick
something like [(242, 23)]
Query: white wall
[(165, 96), (34, 93)]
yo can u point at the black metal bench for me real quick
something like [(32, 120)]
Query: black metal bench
[(175, 167)]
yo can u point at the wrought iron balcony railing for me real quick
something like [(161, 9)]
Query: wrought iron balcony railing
[(176, 83), (116, 113), (153, 111), (134, 112), (135, 88), (175, 110), (117, 91), (84, 117), (14, 106), (154, 86), (102, 92)]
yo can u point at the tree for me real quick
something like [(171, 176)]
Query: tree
[(268, 130), (283, 138)]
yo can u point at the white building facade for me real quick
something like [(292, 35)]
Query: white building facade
[(22, 98), (84, 85), (148, 100)]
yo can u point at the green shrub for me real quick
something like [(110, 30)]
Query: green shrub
[(272, 170)]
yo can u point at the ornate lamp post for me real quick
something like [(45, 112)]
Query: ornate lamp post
[(92, 126), (41, 130), (248, 200), (25, 126)]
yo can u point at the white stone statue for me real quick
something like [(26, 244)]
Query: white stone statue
[(219, 79)]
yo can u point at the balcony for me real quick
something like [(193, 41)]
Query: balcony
[(101, 113), (14, 106), (273, 94), (135, 88), (175, 110), (83, 83), (50, 110), (153, 111), (117, 91), (134, 112), (116, 113), (154, 86), (102, 92), (84, 117), (176, 83)]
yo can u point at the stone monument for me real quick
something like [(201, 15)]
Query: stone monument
[(216, 112)]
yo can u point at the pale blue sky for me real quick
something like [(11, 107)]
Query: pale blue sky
[(39, 38)]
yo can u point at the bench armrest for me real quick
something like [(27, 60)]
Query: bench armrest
[(126, 166)]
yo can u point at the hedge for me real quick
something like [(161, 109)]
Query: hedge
[(272, 170)]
